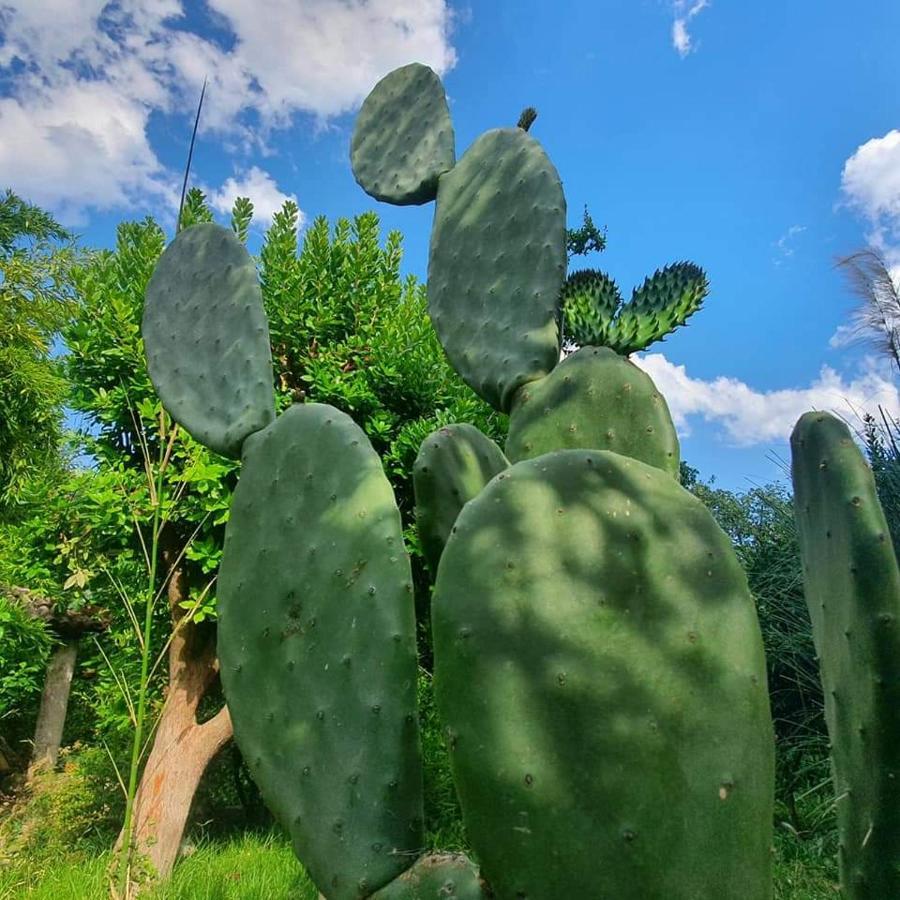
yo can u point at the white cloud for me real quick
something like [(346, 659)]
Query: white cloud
[(685, 11), (262, 190), (87, 77), (870, 182), (747, 416), (785, 246)]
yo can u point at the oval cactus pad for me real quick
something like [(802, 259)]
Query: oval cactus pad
[(439, 876), (207, 339), (600, 675), (454, 464), (497, 264), (403, 139), (318, 652), (594, 400), (852, 588)]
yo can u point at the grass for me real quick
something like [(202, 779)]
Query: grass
[(250, 867), (263, 867)]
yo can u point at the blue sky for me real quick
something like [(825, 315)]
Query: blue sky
[(758, 139)]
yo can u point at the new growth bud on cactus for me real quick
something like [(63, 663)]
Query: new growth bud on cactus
[(852, 589), (594, 313)]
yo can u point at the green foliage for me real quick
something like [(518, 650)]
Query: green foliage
[(760, 523), (36, 300), (586, 239), (24, 647), (76, 807)]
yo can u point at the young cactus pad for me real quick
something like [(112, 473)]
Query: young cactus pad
[(440, 876), (497, 264), (599, 670), (853, 592), (318, 652), (594, 399), (590, 301), (663, 302), (207, 339), (453, 466), (403, 140)]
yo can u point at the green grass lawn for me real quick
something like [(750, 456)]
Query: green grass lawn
[(254, 867)]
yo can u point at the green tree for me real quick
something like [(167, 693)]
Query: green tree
[(346, 329), (36, 301), (760, 523)]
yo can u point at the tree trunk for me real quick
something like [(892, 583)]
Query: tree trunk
[(182, 748), (54, 702)]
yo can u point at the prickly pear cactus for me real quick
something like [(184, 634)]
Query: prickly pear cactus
[(594, 399), (600, 674), (403, 140), (590, 301), (316, 632), (207, 339), (440, 876), (317, 649), (453, 465), (853, 591), (595, 315), (493, 287)]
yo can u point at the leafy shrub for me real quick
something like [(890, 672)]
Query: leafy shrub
[(25, 645), (76, 808)]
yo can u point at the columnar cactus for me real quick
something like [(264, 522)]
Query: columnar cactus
[(852, 588)]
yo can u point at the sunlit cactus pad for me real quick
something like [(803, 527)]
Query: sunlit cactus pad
[(403, 139), (853, 591), (453, 466), (439, 876), (594, 400), (497, 264), (207, 339), (600, 673), (318, 652)]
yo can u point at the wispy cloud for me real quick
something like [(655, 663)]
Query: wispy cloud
[(746, 416), (786, 245), (87, 77), (685, 11)]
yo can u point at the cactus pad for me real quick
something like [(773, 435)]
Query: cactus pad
[(600, 674), (440, 876), (594, 400), (497, 264), (590, 301), (317, 649), (207, 340), (663, 302), (853, 592), (453, 465), (403, 139)]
